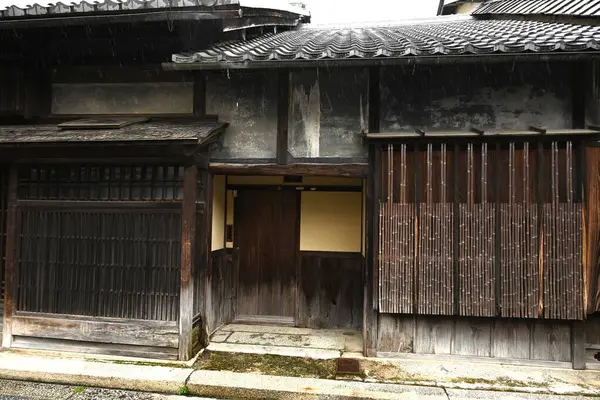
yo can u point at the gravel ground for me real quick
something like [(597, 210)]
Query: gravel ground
[(20, 390)]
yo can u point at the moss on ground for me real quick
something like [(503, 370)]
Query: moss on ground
[(268, 364)]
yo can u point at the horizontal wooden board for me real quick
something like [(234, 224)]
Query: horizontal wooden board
[(101, 330), (69, 346)]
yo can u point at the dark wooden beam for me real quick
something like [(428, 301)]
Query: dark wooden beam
[(339, 170), (199, 94), (10, 287), (188, 238), (283, 102), (370, 324)]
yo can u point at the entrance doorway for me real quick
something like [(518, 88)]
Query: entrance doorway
[(265, 242)]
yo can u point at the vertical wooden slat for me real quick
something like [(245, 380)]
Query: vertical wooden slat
[(188, 235), (11, 253)]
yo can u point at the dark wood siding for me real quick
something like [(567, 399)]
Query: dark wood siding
[(3, 215), (481, 228), (266, 238), (219, 296), (503, 338), (114, 262), (331, 290), (99, 241)]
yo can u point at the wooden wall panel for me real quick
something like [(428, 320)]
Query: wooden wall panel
[(472, 337), (434, 335), (103, 330), (219, 296), (3, 215), (511, 339), (550, 341), (592, 229), (115, 262), (331, 290), (396, 333), (500, 338)]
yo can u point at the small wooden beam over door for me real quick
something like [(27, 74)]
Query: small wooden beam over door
[(339, 170), (10, 284), (188, 239)]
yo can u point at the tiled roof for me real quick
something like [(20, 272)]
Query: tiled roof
[(457, 37), (142, 132), (25, 9), (587, 8)]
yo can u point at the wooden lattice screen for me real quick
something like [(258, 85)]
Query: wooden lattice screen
[(481, 229), (100, 241)]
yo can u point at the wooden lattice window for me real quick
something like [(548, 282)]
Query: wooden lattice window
[(100, 240), (481, 229), (101, 182)]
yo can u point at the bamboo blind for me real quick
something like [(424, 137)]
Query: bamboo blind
[(481, 229)]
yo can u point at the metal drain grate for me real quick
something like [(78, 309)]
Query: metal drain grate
[(349, 366)]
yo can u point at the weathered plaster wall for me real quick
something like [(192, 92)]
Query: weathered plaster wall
[(248, 102), (122, 98), (218, 211), (328, 113), (493, 96)]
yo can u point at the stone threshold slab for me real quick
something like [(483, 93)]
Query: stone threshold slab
[(322, 354), (251, 386)]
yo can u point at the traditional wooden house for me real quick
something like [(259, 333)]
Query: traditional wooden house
[(431, 183), (103, 171), (475, 141)]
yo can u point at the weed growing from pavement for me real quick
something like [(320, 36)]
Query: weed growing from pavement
[(183, 391), (79, 389)]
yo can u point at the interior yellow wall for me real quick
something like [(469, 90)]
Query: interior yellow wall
[(364, 218), (331, 221), (229, 213), (218, 212)]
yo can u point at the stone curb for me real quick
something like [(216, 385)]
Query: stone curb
[(88, 373)]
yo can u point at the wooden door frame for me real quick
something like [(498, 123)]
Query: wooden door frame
[(236, 255)]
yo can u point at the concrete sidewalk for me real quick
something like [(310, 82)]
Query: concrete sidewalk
[(407, 379)]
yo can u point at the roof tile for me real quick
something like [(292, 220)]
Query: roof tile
[(588, 8), (467, 36)]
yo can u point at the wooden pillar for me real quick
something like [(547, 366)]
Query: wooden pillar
[(188, 239), (370, 324), (10, 286), (283, 102), (207, 252), (578, 344), (199, 98)]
